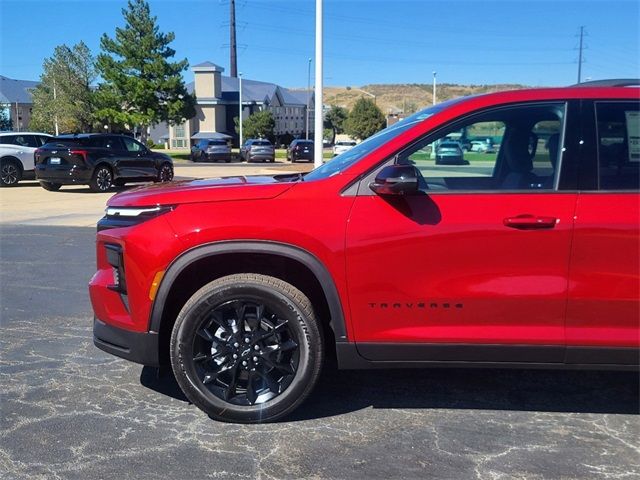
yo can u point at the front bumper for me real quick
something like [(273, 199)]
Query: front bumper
[(139, 347)]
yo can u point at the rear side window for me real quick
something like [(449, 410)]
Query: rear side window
[(618, 128), (21, 140)]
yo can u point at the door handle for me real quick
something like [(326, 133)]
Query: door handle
[(530, 222)]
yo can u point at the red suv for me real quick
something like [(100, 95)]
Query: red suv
[(527, 256)]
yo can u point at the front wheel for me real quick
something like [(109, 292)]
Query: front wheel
[(247, 348), (165, 174), (10, 173)]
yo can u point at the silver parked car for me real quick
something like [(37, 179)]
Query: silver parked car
[(258, 149), (208, 149)]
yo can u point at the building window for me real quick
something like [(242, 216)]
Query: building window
[(179, 131)]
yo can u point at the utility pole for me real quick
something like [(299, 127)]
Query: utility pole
[(318, 124), (232, 33), (306, 117), (580, 56), (434, 87), (240, 117)]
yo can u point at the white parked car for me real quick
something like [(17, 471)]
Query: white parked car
[(482, 146), (343, 146), (16, 155)]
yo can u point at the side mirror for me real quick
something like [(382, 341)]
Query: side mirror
[(396, 180)]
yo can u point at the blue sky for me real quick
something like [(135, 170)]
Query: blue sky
[(481, 42)]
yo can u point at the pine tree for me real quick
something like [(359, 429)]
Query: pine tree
[(64, 95), (142, 87), (364, 120)]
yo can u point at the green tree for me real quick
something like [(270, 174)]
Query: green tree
[(258, 125), (64, 94), (364, 120), (142, 87), (5, 120), (334, 120)]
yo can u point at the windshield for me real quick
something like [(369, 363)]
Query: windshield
[(343, 161)]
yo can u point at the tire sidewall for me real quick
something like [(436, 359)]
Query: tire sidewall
[(305, 330)]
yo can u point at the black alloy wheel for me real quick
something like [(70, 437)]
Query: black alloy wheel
[(246, 348), (9, 173), (102, 179), (165, 174)]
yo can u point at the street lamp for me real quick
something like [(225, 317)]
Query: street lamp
[(362, 91), (434, 87), (306, 117), (240, 116)]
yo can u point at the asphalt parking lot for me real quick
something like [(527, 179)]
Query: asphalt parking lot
[(70, 411)]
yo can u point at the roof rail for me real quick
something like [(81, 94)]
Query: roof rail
[(614, 82)]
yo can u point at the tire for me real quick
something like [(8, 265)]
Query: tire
[(102, 179), (269, 377), (10, 172), (165, 173), (52, 187)]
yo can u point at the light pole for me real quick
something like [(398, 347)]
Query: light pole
[(365, 92), (434, 87), (306, 117), (240, 116), (317, 144)]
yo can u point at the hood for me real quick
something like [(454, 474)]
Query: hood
[(253, 187)]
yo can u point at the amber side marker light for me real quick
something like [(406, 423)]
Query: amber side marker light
[(155, 284)]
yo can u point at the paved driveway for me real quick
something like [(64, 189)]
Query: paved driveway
[(70, 411)]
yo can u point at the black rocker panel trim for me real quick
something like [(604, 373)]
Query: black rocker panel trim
[(266, 247), (394, 355)]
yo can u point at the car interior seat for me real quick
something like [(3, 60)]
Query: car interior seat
[(519, 150)]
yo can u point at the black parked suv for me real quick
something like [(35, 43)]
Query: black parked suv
[(300, 150), (100, 161)]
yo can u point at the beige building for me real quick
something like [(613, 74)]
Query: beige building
[(217, 103)]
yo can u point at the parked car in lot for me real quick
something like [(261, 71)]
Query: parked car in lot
[(342, 146), (258, 149), (482, 146), (381, 259), (300, 150), (210, 149), (16, 155), (449, 153), (100, 161)]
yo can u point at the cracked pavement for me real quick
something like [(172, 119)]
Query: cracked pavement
[(70, 411)]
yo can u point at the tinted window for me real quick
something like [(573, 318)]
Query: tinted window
[(217, 143), (618, 145), (111, 143), (131, 145), (43, 140), (263, 143), (22, 140), (7, 139)]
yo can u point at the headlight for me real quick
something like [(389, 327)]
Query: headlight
[(119, 217)]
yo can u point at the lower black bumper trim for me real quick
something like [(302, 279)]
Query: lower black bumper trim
[(139, 347)]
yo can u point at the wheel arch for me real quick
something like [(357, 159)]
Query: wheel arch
[(210, 261), (13, 159)]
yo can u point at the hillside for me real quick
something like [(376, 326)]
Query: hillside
[(395, 97)]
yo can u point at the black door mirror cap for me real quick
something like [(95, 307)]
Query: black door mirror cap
[(396, 180)]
